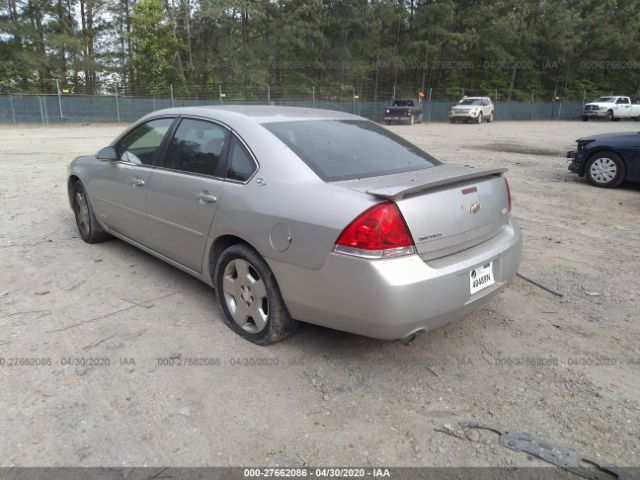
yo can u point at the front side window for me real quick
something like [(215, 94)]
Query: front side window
[(347, 149), (240, 164), (141, 144), (197, 147)]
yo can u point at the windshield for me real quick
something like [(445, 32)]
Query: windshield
[(346, 149), (605, 100), (402, 103), (470, 101)]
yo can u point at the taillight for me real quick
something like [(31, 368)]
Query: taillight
[(386, 111), (506, 184), (379, 232)]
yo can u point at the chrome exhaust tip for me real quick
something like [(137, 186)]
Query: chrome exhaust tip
[(410, 338)]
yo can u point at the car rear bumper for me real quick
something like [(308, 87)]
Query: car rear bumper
[(395, 298)]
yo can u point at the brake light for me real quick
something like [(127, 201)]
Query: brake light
[(379, 232), (506, 184)]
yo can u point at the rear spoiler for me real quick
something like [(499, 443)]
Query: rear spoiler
[(395, 187)]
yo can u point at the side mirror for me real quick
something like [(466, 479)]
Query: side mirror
[(108, 153)]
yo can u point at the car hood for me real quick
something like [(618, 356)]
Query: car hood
[(612, 136)]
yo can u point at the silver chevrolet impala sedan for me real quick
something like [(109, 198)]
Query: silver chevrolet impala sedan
[(295, 214)]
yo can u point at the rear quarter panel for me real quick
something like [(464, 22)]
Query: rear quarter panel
[(289, 196)]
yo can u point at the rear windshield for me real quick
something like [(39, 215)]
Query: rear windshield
[(347, 149)]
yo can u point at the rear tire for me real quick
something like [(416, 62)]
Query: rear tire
[(250, 298), (88, 227), (605, 169), (585, 119)]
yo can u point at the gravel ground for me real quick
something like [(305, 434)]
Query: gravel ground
[(562, 368)]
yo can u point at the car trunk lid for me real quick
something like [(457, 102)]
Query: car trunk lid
[(447, 208)]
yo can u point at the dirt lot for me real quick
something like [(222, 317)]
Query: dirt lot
[(563, 368)]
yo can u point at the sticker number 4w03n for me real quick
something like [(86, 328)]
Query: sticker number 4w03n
[(481, 277)]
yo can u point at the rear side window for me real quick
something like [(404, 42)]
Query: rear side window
[(240, 165), (347, 149), (196, 147)]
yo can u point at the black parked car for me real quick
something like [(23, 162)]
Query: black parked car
[(608, 159), (405, 110)]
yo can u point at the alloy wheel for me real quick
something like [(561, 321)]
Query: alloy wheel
[(82, 213), (245, 295)]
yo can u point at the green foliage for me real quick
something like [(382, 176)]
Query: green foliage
[(154, 53), (373, 46)]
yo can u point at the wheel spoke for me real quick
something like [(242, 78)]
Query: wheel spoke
[(259, 290), (230, 285), (259, 318), (242, 268), (241, 314)]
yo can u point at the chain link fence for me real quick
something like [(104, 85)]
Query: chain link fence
[(113, 107)]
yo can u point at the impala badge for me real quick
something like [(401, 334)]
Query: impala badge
[(431, 236), (475, 207)]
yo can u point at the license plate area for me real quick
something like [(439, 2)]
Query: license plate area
[(481, 278)]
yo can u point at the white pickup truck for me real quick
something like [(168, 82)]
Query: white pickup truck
[(611, 108)]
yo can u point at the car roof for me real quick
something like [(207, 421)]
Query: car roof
[(258, 113)]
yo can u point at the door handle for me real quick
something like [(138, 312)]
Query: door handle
[(207, 198), (138, 182)]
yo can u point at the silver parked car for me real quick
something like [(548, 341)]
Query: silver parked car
[(312, 215), (472, 109)]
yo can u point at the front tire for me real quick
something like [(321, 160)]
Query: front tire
[(585, 119), (609, 116), (88, 227), (250, 298), (605, 169), (490, 119), (411, 120), (479, 120)]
